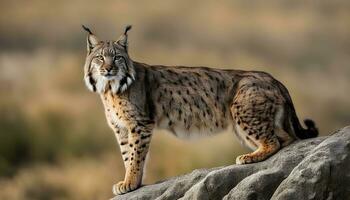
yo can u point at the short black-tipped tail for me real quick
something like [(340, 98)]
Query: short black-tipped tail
[(310, 132), (294, 125)]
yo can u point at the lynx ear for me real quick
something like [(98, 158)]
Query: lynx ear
[(91, 40), (123, 40)]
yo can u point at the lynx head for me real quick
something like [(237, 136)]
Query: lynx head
[(107, 64)]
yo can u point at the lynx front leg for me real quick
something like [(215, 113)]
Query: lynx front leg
[(122, 138), (134, 158)]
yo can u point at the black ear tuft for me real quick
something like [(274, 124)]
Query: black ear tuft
[(91, 39), (86, 29), (309, 123), (123, 39), (127, 28)]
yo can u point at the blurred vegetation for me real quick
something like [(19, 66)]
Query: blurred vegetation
[(54, 140)]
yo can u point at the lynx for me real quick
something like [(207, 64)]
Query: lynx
[(188, 102)]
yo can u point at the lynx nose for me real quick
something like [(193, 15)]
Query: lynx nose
[(108, 67), (109, 70)]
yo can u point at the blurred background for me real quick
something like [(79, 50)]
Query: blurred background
[(54, 139)]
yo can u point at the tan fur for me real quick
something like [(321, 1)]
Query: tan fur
[(187, 101)]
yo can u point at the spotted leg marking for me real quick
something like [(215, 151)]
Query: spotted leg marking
[(138, 144)]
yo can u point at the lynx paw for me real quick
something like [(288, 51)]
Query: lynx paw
[(123, 187), (244, 159)]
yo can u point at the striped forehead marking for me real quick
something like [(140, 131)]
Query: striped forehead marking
[(108, 50)]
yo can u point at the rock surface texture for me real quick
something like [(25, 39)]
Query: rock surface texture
[(317, 168)]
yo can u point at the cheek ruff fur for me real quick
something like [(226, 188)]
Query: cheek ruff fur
[(117, 84)]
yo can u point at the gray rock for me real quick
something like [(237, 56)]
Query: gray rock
[(317, 168)]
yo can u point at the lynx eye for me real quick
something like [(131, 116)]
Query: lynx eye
[(118, 58), (100, 57)]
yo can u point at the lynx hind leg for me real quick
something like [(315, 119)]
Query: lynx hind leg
[(265, 150), (283, 137), (254, 114), (266, 142)]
